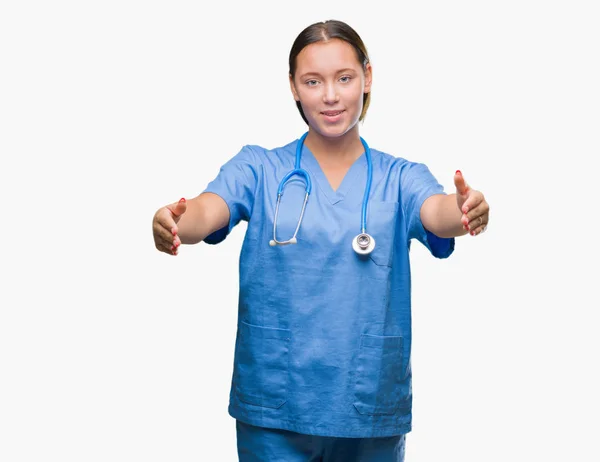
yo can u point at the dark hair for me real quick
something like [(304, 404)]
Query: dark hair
[(322, 32)]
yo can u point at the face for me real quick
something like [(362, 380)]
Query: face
[(330, 83)]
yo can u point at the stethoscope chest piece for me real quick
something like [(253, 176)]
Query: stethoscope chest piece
[(363, 244)]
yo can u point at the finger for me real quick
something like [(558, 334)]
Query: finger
[(462, 187), (474, 200), (480, 211), (166, 245), (166, 248), (165, 218), (163, 233), (478, 229), (479, 221)]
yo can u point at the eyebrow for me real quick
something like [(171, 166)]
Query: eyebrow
[(341, 71)]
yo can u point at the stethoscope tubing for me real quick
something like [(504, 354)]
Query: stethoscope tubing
[(298, 170)]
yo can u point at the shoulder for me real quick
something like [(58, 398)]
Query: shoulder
[(394, 163), (261, 153), (269, 158)]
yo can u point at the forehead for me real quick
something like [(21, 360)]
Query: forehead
[(326, 56)]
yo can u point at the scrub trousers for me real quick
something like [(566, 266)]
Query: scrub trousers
[(257, 444)]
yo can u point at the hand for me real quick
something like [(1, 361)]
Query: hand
[(164, 227), (475, 209)]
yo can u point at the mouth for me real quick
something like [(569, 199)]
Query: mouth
[(331, 113)]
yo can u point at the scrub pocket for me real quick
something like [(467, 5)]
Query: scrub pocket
[(379, 375), (262, 365), (381, 224)]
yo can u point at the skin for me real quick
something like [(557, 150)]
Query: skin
[(329, 83)]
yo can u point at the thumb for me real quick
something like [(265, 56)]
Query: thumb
[(462, 188), (179, 209)]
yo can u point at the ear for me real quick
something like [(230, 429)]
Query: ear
[(293, 88), (368, 77)]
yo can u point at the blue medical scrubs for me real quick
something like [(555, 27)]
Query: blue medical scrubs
[(323, 342), (259, 444)]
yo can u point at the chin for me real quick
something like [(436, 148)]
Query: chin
[(334, 131), (331, 130)]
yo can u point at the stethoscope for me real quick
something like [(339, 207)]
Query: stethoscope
[(363, 244)]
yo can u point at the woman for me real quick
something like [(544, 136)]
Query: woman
[(322, 359)]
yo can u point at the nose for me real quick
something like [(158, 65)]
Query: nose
[(330, 95)]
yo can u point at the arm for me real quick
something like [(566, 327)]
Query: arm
[(454, 215), (205, 214)]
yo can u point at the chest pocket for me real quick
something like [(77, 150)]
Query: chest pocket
[(381, 224)]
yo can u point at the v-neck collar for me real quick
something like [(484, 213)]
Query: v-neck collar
[(310, 163)]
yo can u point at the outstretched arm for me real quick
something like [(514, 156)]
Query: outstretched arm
[(454, 215)]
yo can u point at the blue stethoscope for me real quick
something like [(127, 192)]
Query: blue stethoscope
[(363, 244)]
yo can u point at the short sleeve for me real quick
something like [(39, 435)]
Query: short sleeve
[(236, 183), (416, 185)]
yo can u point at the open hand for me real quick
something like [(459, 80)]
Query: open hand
[(475, 209), (164, 227)]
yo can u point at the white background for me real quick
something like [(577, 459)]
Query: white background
[(112, 351)]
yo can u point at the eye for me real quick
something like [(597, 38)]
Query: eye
[(345, 79), (311, 83)]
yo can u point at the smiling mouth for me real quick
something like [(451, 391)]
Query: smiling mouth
[(331, 113)]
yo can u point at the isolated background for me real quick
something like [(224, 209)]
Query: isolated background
[(112, 351)]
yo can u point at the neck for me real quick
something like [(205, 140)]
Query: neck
[(345, 148)]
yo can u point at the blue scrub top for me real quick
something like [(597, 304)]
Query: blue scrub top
[(324, 335)]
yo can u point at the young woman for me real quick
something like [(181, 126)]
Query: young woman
[(322, 359)]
